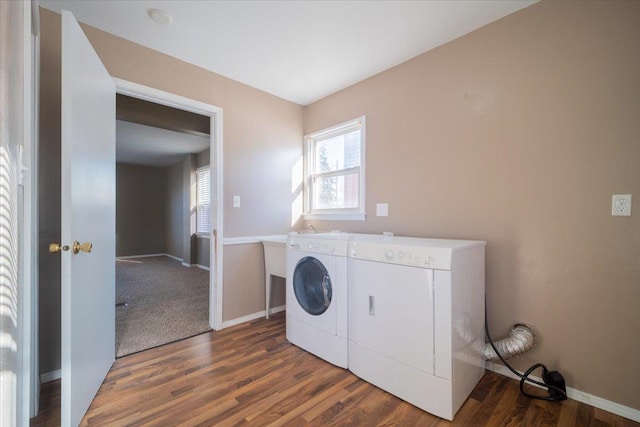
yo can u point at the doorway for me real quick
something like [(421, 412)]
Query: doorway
[(162, 241), (214, 233)]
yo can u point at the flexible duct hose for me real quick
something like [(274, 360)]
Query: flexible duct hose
[(520, 340)]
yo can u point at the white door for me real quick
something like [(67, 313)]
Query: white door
[(88, 216)]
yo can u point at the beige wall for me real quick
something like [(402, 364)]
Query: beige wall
[(203, 158), (174, 211), (238, 281), (189, 241), (141, 198), (262, 135), (202, 251), (518, 134), (49, 196)]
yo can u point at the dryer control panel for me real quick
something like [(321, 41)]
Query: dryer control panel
[(436, 258), (321, 243), (416, 252)]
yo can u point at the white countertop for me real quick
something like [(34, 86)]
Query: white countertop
[(274, 239)]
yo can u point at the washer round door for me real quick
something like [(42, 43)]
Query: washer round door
[(312, 286)]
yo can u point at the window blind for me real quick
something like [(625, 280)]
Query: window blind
[(203, 196)]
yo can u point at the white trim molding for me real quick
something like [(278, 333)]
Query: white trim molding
[(216, 144), (335, 217), (251, 239), (241, 240), (578, 395), (148, 256), (311, 212), (253, 316), (204, 267), (29, 243)]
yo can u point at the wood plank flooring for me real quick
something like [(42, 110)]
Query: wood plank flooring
[(249, 375)]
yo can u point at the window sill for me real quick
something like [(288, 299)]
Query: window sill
[(203, 236), (335, 216)]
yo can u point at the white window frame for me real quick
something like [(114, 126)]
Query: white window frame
[(205, 233), (352, 214)]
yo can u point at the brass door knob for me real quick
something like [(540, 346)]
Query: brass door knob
[(84, 247), (55, 248)]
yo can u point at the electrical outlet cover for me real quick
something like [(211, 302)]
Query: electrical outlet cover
[(621, 205), (382, 209)]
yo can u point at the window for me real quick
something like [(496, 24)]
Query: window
[(334, 184), (203, 199)]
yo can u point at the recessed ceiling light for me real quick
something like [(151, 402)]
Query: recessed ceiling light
[(160, 16)]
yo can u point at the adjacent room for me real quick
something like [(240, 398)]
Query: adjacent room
[(162, 193)]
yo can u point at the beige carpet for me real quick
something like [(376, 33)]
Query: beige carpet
[(166, 302)]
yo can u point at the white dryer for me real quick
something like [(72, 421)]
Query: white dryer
[(416, 318), (317, 293)]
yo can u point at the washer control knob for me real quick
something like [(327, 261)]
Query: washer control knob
[(389, 254)]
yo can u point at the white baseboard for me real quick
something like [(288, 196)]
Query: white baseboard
[(140, 256), (149, 256), (204, 267), (253, 316), (173, 257), (578, 395), (278, 309), (50, 376)]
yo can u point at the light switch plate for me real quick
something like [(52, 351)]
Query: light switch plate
[(236, 201), (382, 209), (621, 205)]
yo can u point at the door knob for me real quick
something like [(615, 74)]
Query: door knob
[(84, 247), (55, 248)]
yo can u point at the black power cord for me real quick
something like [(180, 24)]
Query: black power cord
[(553, 381)]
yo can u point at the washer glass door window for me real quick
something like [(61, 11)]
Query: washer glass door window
[(312, 286)]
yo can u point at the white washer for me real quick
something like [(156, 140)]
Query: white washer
[(416, 318), (317, 294)]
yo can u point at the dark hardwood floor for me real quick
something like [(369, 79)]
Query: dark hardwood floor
[(250, 375)]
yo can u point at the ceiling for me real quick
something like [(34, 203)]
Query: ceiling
[(150, 146), (301, 51)]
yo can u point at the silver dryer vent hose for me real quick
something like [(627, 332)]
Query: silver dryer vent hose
[(519, 340)]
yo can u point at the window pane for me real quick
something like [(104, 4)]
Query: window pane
[(336, 192), (203, 199), (338, 152)]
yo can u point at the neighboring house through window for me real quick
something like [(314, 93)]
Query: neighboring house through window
[(334, 179), (203, 199)]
